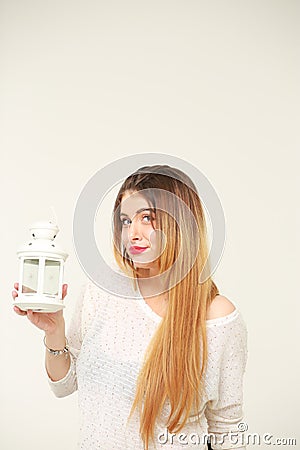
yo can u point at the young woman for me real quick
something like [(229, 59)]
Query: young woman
[(165, 366)]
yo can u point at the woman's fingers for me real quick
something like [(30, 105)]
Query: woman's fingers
[(64, 290), (19, 311), (31, 315), (16, 308)]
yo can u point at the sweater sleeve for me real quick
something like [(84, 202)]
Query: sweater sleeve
[(225, 412), (68, 384)]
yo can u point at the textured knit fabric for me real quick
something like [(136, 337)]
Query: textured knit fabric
[(108, 336)]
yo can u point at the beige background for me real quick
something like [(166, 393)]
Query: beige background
[(215, 83)]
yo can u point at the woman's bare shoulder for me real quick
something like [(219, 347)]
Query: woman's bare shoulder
[(219, 307)]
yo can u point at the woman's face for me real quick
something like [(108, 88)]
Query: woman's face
[(139, 234)]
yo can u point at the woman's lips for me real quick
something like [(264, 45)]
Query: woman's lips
[(134, 250)]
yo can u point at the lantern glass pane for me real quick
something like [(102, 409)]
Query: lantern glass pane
[(51, 277), (30, 275)]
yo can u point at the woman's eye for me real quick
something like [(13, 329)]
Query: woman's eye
[(147, 218), (125, 222)]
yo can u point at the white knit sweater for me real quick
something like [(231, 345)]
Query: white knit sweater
[(108, 336)]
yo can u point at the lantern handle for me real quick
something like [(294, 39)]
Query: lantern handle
[(54, 215)]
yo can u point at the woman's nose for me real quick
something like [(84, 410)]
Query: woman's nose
[(134, 231)]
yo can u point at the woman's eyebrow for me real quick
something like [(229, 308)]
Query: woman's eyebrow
[(138, 211)]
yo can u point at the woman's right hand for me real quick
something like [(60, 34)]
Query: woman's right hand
[(51, 323)]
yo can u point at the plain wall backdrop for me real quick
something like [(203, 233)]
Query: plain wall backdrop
[(214, 83)]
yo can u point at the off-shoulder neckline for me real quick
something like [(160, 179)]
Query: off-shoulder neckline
[(209, 322), (223, 319)]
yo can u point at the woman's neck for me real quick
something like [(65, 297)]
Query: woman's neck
[(150, 285)]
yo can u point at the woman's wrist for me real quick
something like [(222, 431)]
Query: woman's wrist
[(55, 344), (56, 340), (57, 352)]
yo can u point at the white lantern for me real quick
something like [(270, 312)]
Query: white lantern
[(41, 270)]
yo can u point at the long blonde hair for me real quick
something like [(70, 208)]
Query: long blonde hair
[(176, 358)]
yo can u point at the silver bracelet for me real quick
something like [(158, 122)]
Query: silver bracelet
[(57, 352)]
